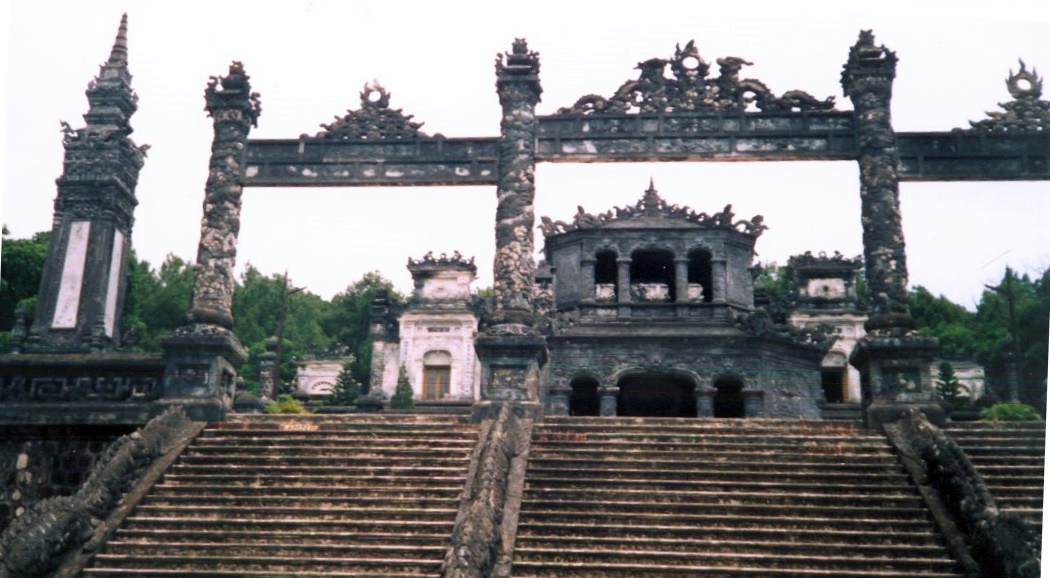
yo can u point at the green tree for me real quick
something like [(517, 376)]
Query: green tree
[(950, 323), (21, 265), (948, 387), (257, 312), (347, 389), (403, 397), (156, 301), (348, 319)]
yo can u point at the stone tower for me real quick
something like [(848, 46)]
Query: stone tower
[(81, 294)]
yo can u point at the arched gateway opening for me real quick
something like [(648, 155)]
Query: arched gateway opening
[(656, 395)]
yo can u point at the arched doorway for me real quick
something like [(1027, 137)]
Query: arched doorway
[(656, 395), (583, 401), (729, 398)]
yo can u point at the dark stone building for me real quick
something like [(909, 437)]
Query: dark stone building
[(653, 314)]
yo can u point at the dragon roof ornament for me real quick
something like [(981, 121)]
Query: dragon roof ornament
[(375, 120), (691, 90), (430, 262), (652, 205), (1026, 113)]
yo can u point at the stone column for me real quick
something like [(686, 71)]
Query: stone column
[(893, 360), (587, 278), (234, 110), (623, 280), (510, 349), (753, 403), (705, 401), (607, 397), (718, 281), (558, 402), (681, 279), (202, 357)]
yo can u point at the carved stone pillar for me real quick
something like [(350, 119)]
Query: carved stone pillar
[(234, 110), (607, 397), (202, 357), (558, 402), (623, 280), (587, 278), (718, 281), (892, 359), (705, 401), (510, 349), (81, 296), (681, 279), (753, 403)]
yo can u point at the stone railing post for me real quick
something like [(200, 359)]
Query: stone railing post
[(510, 349), (892, 358), (202, 357)]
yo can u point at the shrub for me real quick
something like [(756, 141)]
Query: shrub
[(286, 404), (403, 395), (1011, 412)]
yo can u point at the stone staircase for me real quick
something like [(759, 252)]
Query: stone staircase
[(720, 498), (267, 496), (1010, 458)]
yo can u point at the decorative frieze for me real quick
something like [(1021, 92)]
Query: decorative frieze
[(1026, 113), (688, 88)]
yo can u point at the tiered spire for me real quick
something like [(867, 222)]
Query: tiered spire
[(110, 96)]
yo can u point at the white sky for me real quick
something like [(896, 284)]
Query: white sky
[(309, 61)]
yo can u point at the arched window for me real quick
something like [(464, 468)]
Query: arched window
[(700, 276), (652, 275), (437, 375), (605, 276), (583, 401), (729, 400)]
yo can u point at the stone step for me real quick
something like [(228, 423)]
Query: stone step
[(697, 468), (422, 435), (808, 445), (998, 451), (358, 471), (664, 424), (415, 501), (237, 522), (350, 459), (666, 460), (198, 573), (776, 544), (599, 509), (293, 512), (569, 486), (743, 570), (636, 555), (220, 492), (256, 536), (699, 477), (408, 549), (442, 478), (219, 445), (193, 565), (802, 535), (628, 500), (764, 516)]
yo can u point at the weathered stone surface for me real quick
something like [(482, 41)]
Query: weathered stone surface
[(234, 110)]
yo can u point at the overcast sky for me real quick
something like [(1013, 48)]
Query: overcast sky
[(309, 61)]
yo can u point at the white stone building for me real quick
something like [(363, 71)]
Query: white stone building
[(433, 337)]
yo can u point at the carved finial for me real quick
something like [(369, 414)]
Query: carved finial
[(119, 55), (1026, 113)]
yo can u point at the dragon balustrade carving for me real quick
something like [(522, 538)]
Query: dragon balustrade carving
[(689, 88)]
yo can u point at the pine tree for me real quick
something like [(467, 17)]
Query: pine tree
[(403, 395), (347, 389), (948, 387)]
